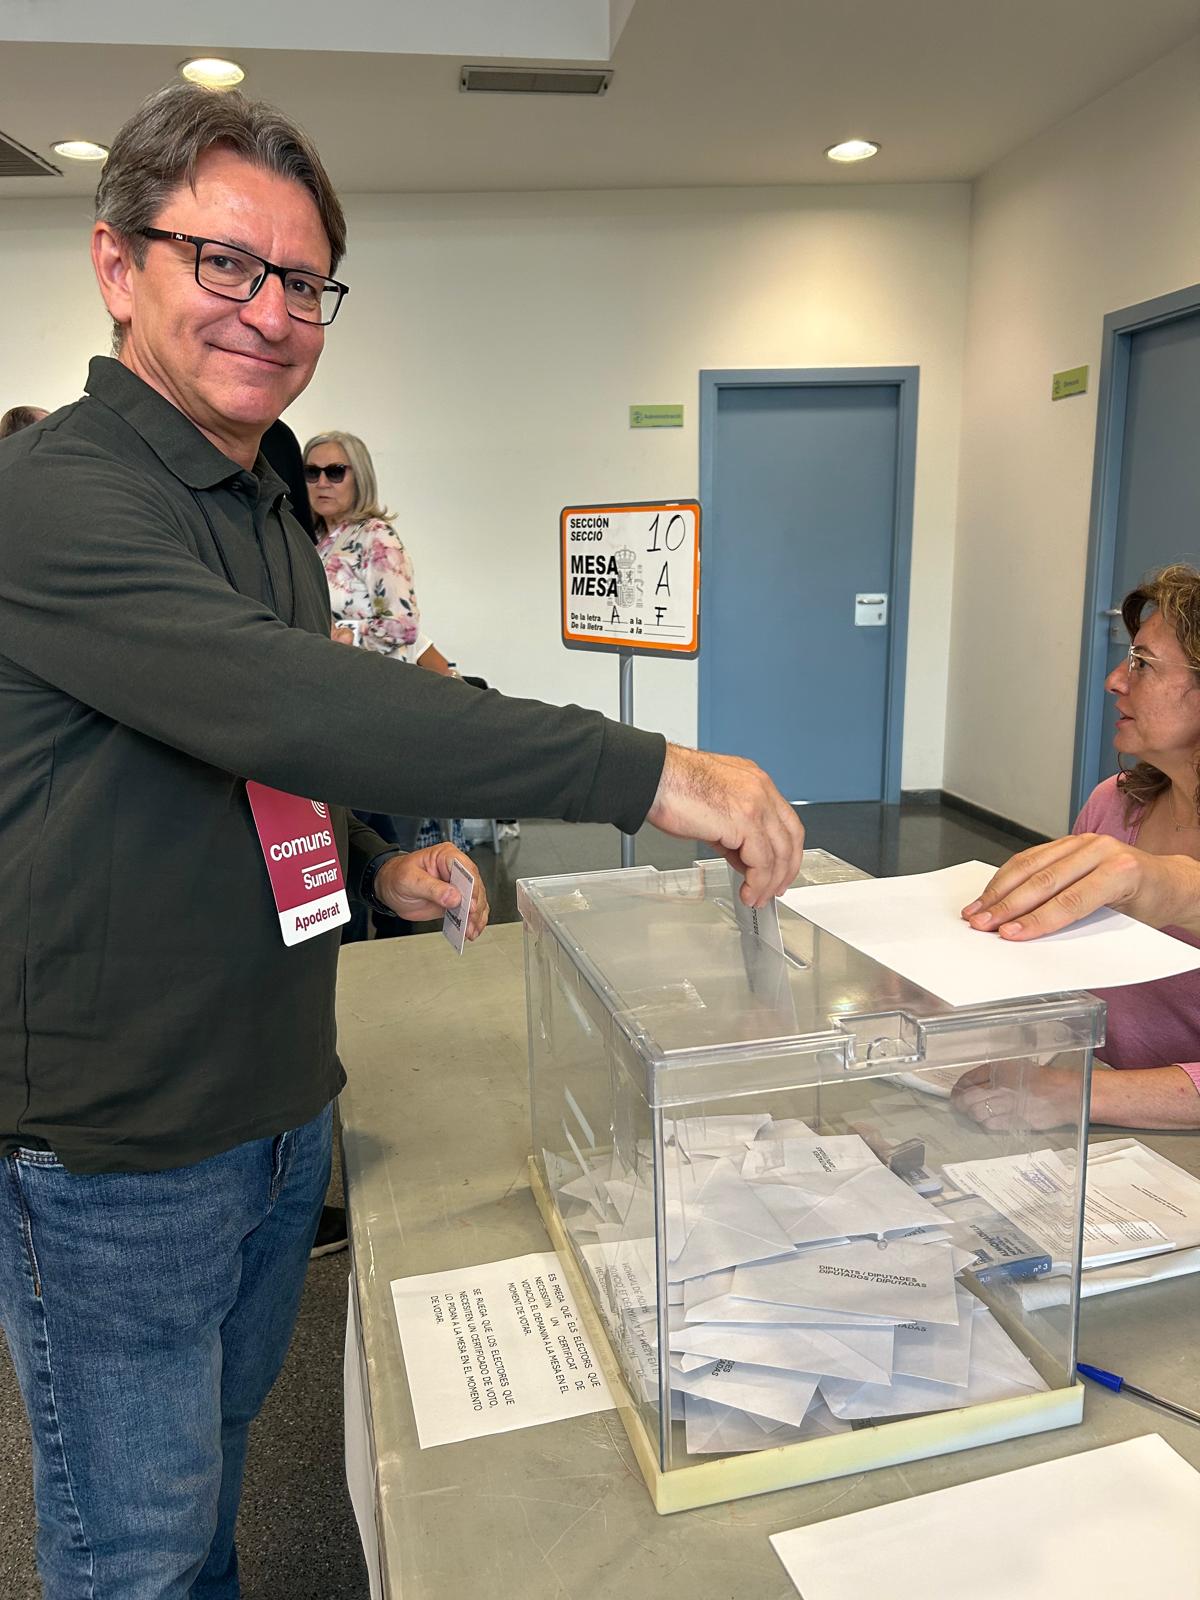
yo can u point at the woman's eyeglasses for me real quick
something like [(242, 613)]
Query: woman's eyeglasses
[(335, 473)]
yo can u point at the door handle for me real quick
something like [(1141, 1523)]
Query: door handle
[(1113, 611)]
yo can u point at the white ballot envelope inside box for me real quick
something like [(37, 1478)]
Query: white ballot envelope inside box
[(786, 1241)]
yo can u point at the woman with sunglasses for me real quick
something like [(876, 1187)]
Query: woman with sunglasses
[(368, 569), (1153, 803), (371, 597)]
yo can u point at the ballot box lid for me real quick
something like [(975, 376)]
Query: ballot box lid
[(658, 962)]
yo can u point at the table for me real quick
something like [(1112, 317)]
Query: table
[(435, 1131)]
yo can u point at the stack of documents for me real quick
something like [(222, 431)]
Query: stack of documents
[(810, 1287), (1140, 1208)]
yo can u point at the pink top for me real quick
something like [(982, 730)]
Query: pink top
[(1149, 1024)]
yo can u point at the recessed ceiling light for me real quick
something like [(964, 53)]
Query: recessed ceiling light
[(80, 150), (212, 72), (853, 150)]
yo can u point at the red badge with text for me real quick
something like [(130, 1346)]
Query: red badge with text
[(301, 856)]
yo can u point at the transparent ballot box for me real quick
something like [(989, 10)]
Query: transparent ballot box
[(800, 1255)]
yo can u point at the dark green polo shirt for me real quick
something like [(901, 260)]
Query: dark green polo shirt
[(164, 635)]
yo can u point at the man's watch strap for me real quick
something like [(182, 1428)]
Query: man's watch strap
[(366, 884)]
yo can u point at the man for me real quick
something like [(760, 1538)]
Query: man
[(167, 1062)]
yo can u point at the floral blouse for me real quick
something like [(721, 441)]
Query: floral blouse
[(370, 581)]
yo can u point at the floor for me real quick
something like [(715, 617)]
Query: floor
[(296, 1535)]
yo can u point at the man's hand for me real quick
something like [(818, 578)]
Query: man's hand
[(1046, 888), (417, 886), (732, 805)]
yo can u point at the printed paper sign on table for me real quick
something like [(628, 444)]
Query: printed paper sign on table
[(495, 1347)]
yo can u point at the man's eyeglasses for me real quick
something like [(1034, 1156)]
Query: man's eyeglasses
[(335, 472), (235, 274)]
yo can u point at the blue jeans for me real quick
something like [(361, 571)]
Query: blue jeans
[(148, 1315)]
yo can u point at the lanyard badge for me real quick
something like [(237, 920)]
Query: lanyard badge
[(298, 847)]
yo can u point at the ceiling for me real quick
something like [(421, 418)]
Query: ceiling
[(704, 92)]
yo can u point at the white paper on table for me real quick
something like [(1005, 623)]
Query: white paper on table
[(1035, 1190), (525, 1356), (1163, 1193), (913, 1282), (913, 925), (861, 1355), (625, 1270), (1106, 1524), (1037, 1294), (937, 1081), (767, 1392), (998, 1371)]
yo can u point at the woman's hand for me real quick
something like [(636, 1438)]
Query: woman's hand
[(1044, 889), (1018, 1094), (341, 635), (417, 886)]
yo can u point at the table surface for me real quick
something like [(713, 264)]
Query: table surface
[(435, 1130)]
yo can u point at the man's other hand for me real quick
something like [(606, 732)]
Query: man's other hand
[(732, 805), (417, 886)]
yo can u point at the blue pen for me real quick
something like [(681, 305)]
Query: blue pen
[(1110, 1380)]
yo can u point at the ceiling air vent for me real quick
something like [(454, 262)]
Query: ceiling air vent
[(534, 80), (17, 162)]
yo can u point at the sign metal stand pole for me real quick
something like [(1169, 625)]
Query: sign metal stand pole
[(626, 659), (630, 576)]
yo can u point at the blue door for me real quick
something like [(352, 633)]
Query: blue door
[(1158, 503), (800, 535)]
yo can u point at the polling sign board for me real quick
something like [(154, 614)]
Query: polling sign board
[(631, 577)]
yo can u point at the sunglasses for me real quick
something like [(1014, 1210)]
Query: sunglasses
[(334, 473)]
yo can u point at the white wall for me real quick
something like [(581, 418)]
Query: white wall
[(492, 345), (1100, 212)]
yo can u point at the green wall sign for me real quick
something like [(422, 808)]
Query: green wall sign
[(656, 416), (1073, 381)]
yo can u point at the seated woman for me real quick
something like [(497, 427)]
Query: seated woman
[(1153, 1030)]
